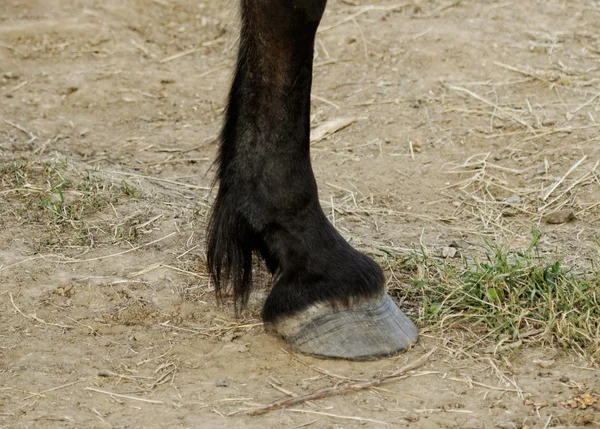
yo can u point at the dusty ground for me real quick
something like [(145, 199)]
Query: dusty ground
[(472, 121)]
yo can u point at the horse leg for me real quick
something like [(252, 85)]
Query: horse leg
[(327, 299)]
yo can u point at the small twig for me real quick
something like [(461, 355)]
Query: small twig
[(108, 373), (145, 224), (422, 33), (54, 388), (282, 390), (187, 251), (20, 128), (178, 55), (34, 316), (189, 273), (7, 267), (587, 103), (523, 72), (133, 398), (328, 391), (16, 87), (145, 270)]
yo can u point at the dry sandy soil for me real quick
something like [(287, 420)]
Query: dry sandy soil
[(470, 121)]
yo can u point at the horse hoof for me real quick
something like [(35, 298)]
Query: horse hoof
[(368, 330)]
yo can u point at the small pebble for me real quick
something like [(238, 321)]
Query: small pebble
[(449, 252), (459, 244), (412, 417)]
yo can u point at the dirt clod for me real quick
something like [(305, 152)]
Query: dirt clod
[(559, 217)]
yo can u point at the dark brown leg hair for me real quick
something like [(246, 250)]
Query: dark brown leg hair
[(267, 203)]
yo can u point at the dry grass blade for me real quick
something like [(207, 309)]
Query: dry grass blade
[(570, 187), (338, 416), (113, 255), (178, 55), (118, 395), (556, 184), (364, 9), (34, 316), (511, 293), (62, 386), (16, 87), (157, 179), (327, 128), (20, 128), (472, 383), (24, 261), (497, 108), (518, 70), (10, 47)]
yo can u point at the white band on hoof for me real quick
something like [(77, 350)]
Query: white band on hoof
[(364, 330)]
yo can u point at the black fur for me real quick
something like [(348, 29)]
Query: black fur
[(267, 203)]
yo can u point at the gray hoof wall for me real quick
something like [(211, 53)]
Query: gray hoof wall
[(363, 331)]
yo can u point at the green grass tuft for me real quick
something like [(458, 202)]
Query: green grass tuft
[(69, 203), (510, 294)]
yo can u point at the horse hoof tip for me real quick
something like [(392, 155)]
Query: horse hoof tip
[(367, 330)]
